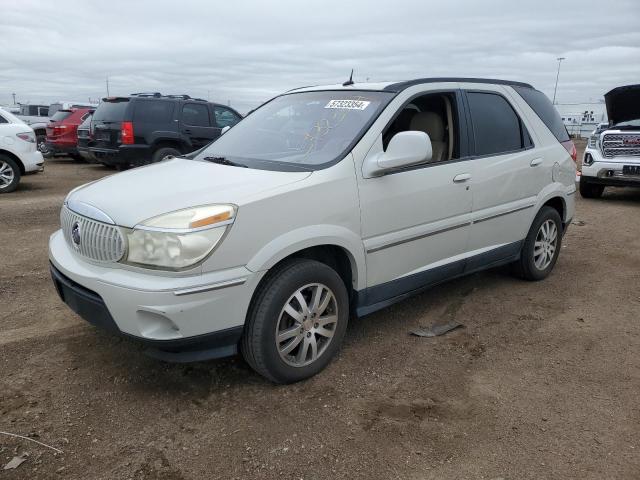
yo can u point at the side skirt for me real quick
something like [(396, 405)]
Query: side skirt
[(374, 298)]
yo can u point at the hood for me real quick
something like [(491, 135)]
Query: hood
[(623, 104), (136, 195)]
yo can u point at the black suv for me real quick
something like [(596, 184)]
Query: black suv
[(148, 127)]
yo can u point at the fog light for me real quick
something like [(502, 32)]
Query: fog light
[(588, 159)]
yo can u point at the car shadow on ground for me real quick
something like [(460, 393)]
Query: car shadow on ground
[(124, 363)]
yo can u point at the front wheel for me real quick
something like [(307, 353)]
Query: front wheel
[(541, 247), (297, 321)]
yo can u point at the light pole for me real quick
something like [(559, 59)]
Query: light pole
[(557, 76)]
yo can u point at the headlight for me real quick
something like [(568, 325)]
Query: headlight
[(593, 141), (178, 239)]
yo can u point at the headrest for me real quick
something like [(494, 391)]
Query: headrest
[(431, 123)]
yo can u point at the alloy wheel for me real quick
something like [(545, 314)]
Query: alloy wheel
[(306, 325), (6, 174), (545, 245)]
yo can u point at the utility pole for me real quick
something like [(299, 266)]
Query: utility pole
[(560, 59), (14, 98), (107, 85)]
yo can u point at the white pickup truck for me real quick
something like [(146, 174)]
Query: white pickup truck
[(612, 156)]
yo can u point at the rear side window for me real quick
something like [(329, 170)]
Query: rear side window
[(196, 115), (60, 115), (496, 126), (153, 111), (111, 111), (225, 117), (543, 107)]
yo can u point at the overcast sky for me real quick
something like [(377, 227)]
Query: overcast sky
[(244, 52)]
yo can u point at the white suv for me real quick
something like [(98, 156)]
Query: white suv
[(612, 156), (18, 152), (324, 202)]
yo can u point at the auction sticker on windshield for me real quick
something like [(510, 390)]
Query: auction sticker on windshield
[(348, 104)]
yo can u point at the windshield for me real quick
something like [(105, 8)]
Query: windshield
[(628, 125), (306, 130)]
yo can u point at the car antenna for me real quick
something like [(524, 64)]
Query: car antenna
[(350, 81)]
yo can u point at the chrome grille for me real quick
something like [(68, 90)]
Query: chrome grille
[(97, 240), (621, 145)]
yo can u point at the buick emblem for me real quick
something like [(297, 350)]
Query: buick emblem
[(75, 234)]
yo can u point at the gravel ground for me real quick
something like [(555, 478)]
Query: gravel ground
[(543, 382)]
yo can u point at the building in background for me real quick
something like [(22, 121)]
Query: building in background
[(582, 118)]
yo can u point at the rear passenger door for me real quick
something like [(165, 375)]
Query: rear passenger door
[(507, 174), (197, 124)]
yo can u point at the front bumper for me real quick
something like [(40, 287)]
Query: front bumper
[(605, 171), (180, 318)]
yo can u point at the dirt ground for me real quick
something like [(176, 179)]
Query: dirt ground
[(543, 382)]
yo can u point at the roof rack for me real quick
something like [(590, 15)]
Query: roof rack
[(146, 94), (159, 95)]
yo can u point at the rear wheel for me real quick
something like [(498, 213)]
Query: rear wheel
[(297, 321), (590, 190), (541, 247), (9, 174), (164, 153)]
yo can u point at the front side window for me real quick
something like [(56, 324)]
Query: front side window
[(436, 115), (195, 115), (225, 117), (303, 130), (497, 128)]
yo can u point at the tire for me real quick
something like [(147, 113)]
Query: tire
[(9, 174), (590, 190), (164, 152), (530, 266), (260, 346)]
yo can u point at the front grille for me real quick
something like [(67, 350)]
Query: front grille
[(621, 145), (92, 239)]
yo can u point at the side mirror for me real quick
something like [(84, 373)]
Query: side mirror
[(404, 149), (224, 130)]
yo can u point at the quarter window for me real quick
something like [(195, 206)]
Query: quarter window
[(196, 115), (496, 126), (3, 120), (225, 117)]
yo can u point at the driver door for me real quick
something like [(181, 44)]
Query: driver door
[(416, 221)]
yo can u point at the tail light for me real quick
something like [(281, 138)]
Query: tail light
[(58, 130), (571, 148), (27, 137), (126, 133)]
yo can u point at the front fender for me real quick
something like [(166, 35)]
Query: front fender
[(312, 236)]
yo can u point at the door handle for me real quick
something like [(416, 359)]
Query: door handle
[(462, 177), (187, 131), (535, 162)]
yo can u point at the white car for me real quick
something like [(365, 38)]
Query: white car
[(18, 152), (323, 202), (612, 156)]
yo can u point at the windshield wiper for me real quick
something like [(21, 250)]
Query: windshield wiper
[(224, 161)]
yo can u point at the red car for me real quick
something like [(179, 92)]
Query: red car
[(62, 132)]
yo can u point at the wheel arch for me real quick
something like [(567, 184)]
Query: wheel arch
[(337, 247)]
